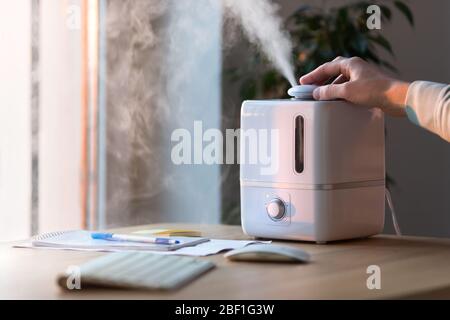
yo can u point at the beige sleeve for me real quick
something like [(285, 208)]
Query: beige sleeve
[(428, 105)]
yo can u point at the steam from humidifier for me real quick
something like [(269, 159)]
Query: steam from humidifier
[(263, 27)]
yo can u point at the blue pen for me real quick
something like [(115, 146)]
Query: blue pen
[(131, 238)]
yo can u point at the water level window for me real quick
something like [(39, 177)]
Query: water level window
[(299, 144)]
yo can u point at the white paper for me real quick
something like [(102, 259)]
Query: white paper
[(82, 239), (213, 246)]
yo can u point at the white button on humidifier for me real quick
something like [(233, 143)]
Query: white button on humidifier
[(302, 92), (275, 209)]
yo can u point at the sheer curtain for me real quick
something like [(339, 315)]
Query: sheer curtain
[(162, 72), (15, 123), (91, 93)]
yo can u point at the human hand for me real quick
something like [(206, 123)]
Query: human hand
[(358, 82)]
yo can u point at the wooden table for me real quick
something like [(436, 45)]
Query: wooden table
[(411, 267)]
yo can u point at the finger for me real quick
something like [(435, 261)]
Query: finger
[(326, 71), (334, 80), (338, 58), (330, 92), (340, 79), (324, 81)]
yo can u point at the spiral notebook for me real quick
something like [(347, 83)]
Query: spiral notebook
[(81, 239)]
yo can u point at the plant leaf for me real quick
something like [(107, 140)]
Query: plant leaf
[(403, 8), (388, 66), (359, 43), (248, 89), (383, 42), (386, 12), (300, 10)]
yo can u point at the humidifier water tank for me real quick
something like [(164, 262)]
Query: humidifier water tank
[(311, 170)]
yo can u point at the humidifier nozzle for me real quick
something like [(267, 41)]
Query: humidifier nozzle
[(302, 91)]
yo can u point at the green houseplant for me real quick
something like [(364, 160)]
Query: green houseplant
[(318, 34)]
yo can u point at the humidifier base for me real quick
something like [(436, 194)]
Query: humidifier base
[(313, 215)]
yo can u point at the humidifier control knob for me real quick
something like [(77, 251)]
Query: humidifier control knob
[(302, 92), (276, 209)]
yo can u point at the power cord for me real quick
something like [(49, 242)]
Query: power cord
[(392, 209)]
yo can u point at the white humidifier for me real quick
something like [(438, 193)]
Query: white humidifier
[(311, 170)]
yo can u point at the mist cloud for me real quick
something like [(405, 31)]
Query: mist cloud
[(263, 27)]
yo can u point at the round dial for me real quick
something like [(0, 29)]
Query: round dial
[(304, 91), (276, 209)]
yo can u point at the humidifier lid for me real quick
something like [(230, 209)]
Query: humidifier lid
[(302, 91)]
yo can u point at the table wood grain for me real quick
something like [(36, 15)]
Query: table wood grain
[(411, 267)]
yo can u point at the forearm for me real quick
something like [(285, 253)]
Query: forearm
[(428, 105)]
